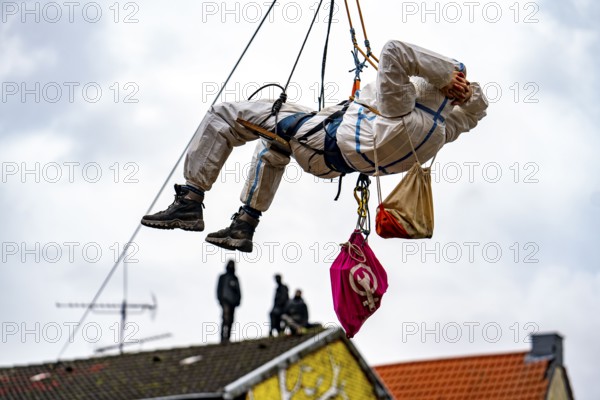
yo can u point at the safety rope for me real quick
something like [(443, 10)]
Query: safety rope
[(283, 96), (368, 55), (162, 188), (324, 62)]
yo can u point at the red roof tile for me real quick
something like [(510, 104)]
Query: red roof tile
[(504, 376)]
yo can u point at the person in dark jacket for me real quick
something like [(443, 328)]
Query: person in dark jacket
[(281, 299), (229, 296), (296, 314)]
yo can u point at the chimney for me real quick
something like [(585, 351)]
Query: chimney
[(547, 345)]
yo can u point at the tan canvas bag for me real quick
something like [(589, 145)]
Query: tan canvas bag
[(407, 212)]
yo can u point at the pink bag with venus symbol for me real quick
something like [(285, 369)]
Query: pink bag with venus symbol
[(358, 282)]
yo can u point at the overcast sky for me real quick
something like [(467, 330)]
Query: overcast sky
[(100, 98)]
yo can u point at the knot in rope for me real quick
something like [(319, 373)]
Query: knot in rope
[(278, 103), (368, 46), (358, 66), (353, 36)]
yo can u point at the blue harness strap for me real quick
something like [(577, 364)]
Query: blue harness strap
[(288, 127), (332, 153)]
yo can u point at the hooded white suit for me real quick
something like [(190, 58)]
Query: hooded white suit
[(415, 109)]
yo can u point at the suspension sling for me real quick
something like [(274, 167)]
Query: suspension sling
[(368, 55)]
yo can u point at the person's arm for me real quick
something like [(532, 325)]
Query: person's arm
[(465, 117), (396, 95)]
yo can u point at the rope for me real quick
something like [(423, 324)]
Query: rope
[(377, 168), (283, 96), (322, 94), (355, 252), (304, 43), (368, 55), (137, 229), (358, 66), (264, 87), (362, 22)]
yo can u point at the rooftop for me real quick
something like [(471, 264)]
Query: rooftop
[(205, 370), (515, 376)]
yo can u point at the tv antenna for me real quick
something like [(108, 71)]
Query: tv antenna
[(123, 308)]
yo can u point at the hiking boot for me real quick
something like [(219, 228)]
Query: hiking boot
[(238, 236), (185, 212)]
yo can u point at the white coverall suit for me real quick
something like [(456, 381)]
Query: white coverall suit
[(415, 109)]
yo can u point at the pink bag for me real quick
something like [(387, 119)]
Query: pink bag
[(358, 282)]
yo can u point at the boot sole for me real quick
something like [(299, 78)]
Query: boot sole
[(195, 226), (243, 245)]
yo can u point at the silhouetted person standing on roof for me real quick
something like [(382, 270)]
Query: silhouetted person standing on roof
[(296, 313), (230, 296), (281, 299)]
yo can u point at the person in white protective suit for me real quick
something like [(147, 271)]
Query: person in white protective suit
[(432, 108)]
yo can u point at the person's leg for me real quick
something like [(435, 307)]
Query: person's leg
[(274, 326), (276, 321), (227, 323), (396, 95), (213, 142), (264, 176), (265, 173), (216, 137)]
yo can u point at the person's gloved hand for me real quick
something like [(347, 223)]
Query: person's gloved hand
[(458, 89)]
